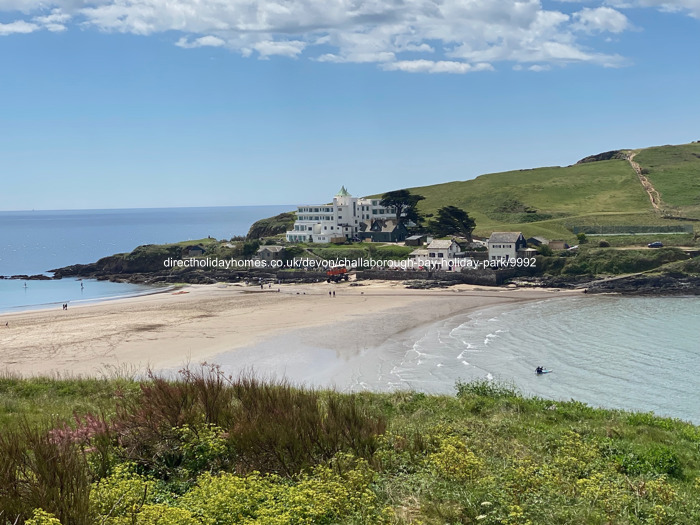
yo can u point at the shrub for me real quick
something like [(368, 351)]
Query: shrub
[(283, 429), (544, 250), (486, 388), (121, 495), (269, 427), (38, 471), (323, 496), (40, 517), (454, 461)]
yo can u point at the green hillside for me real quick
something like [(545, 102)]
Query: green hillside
[(552, 201), (601, 192), (675, 173)]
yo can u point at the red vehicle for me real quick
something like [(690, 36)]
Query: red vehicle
[(337, 274)]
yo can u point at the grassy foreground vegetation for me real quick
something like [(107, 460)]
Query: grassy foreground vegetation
[(208, 449)]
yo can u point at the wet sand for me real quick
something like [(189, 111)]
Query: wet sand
[(204, 322)]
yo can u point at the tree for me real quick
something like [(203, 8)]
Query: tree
[(451, 220), (405, 204)]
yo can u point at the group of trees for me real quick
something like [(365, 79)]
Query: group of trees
[(449, 220)]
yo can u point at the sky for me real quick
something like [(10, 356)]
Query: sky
[(160, 103)]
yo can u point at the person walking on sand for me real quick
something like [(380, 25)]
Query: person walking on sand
[(329, 293), (333, 293)]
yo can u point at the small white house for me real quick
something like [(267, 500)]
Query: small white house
[(443, 249), (437, 255), (505, 245)]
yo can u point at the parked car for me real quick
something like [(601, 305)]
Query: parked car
[(655, 244)]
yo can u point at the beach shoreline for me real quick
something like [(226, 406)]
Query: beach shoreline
[(203, 322), (143, 290)]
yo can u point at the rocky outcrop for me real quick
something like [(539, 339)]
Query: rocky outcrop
[(608, 155), (659, 284), (37, 277), (271, 226)]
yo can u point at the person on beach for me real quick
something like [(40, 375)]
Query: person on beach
[(329, 293), (333, 293)]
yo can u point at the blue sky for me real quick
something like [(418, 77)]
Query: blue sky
[(154, 103)]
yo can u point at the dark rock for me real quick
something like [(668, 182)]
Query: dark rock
[(608, 155)]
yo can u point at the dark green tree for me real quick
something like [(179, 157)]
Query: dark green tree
[(451, 220), (405, 204)]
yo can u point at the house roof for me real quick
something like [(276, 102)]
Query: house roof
[(194, 247), (342, 192), (415, 237), (541, 239), (271, 248), (440, 245), (504, 236), (384, 225), (421, 251)]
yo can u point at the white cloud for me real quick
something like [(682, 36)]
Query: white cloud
[(440, 66), (457, 35), (284, 48), (691, 7), (599, 20), (55, 22), (211, 41), (18, 26)]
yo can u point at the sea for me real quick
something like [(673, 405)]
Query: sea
[(34, 242), (635, 353), (628, 353)]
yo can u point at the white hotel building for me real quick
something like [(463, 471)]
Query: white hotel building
[(343, 218)]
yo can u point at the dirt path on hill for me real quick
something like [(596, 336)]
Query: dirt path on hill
[(654, 195)]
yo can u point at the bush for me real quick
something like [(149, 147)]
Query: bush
[(544, 250), (324, 496), (270, 427), (486, 388), (604, 244), (40, 470), (454, 461)]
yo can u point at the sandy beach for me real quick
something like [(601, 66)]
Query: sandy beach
[(201, 322)]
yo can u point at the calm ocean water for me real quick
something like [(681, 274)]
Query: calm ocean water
[(637, 353), (33, 242)]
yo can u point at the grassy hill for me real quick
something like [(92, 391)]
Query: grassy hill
[(603, 191), (675, 173), (552, 201)]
